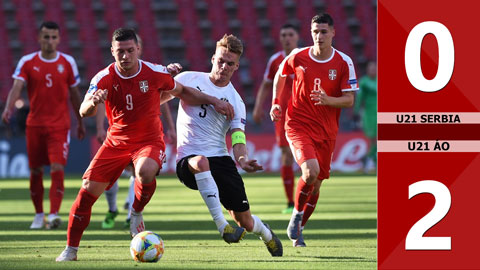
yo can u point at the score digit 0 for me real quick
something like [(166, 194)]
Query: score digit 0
[(446, 56)]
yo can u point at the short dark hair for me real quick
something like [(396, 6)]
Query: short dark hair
[(124, 34), (323, 18), (49, 25), (289, 25)]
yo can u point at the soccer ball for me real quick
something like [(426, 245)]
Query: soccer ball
[(146, 246)]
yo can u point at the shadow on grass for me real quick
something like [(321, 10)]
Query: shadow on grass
[(94, 232)]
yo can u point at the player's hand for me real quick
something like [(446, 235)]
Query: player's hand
[(171, 136), (101, 135), (276, 113), (80, 131), (249, 165), (224, 108), (258, 114), (319, 97), (174, 69), (6, 116), (99, 96)]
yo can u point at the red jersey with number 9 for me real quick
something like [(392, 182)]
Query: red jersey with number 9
[(335, 75), (48, 81), (133, 103)]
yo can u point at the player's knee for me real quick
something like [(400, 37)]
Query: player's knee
[(145, 176), (56, 167), (36, 171), (199, 164), (310, 175)]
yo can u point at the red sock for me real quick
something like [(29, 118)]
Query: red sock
[(143, 194), (79, 217), (303, 191), (309, 207), (36, 191), (56, 191), (288, 182)]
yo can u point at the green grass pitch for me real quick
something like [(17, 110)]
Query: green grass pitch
[(341, 234)]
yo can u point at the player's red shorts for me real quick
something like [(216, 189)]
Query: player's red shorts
[(109, 162), (304, 148), (280, 132), (47, 145)]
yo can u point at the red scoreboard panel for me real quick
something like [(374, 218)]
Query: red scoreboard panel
[(428, 134)]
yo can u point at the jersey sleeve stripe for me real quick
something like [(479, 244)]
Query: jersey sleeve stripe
[(269, 64), (23, 60), (73, 64), (352, 79), (156, 68), (94, 82)]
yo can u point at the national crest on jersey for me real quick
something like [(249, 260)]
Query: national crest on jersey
[(332, 74), (143, 86), (60, 68)]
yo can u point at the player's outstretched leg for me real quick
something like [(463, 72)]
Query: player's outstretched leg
[(68, 254)]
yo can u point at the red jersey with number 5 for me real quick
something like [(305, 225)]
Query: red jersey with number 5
[(272, 68), (133, 103), (335, 75), (48, 81)]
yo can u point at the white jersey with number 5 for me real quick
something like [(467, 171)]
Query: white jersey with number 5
[(200, 129)]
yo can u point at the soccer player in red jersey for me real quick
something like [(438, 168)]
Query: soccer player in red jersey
[(131, 90), (289, 41), (324, 82), (51, 78)]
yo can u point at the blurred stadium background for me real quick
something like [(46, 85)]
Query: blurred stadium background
[(183, 31)]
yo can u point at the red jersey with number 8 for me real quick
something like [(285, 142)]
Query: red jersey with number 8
[(133, 103), (334, 75), (48, 81)]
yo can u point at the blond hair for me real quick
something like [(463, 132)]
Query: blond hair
[(231, 43)]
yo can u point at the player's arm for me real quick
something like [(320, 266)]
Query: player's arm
[(99, 121), (194, 97), (171, 133), (239, 145), (346, 100), (13, 95), (90, 102), (75, 100), (263, 91), (278, 87)]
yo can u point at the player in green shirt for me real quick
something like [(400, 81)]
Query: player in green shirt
[(366, 103)]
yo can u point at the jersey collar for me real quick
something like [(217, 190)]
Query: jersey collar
[(320, 61), (123, 77), (48, 60)]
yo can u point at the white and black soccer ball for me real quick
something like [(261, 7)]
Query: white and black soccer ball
[(147, 246)]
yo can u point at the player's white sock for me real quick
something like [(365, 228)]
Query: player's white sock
[(209, 191), (111, 196), (260, 229), (130, 195)]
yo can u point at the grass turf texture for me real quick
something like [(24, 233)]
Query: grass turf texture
[(341, 234)]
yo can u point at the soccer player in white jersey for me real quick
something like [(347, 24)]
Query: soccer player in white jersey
[(203, 161)]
